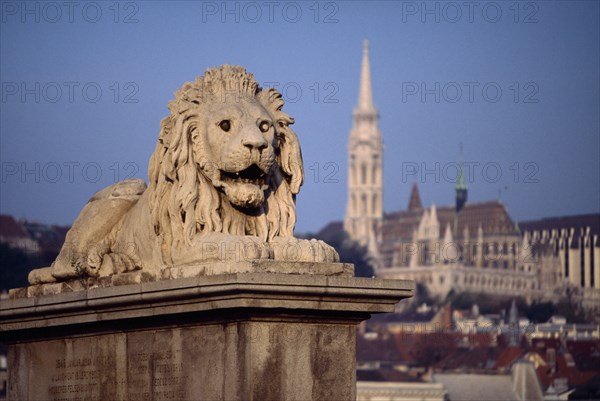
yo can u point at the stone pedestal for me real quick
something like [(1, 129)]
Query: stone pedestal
[(237, 336)]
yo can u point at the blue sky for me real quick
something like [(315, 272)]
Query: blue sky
[(85, 85)]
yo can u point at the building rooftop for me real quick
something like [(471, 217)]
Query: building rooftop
[(480, 387), (577, 222)]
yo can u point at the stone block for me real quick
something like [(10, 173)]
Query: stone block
[(238, 336)]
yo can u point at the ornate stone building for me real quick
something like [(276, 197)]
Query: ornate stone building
[(475, 250), (544, 260), (565, 253), (474, 247), (364, 213)]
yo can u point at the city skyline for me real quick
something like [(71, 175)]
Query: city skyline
[(519, 89)]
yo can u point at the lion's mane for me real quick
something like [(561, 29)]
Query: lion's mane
[(183, 201)]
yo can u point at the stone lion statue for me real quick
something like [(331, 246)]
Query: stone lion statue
[(222, 186)]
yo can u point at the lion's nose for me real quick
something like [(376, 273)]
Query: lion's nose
[(253, 140)]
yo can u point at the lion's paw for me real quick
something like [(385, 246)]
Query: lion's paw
[(303, 250), (113, 263)]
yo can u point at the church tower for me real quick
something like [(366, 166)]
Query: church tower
[(365, 167)]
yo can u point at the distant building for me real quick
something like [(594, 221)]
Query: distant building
[(544, 260), (422, 245), (483, 235), (50, 238), (365, 160), (399, 391), (520, 385), (15, 235), (565, 251), (465, 247), (468, 352)]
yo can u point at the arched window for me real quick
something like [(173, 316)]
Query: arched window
[(363, 174), (364, 204), (374, 170), (374, 204)]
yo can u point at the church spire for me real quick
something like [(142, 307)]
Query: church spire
[(460, 190), (365, 114), (365, 97), (461, 186), (364, 214), (414, 203)]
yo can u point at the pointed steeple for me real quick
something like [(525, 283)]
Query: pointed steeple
[(365, 96), (450, 252), (433, 215), (364, 214), (414, 204), (513, 317), (461, 186), (448, 235)]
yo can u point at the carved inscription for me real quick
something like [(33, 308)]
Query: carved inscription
[(158, 375), (79, 379), (169, 379)]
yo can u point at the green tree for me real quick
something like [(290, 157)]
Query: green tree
[(540, 312), (15, 265)]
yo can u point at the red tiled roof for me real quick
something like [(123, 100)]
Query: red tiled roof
[(10, 228), (508, 356), (384, 350), (492, 216), (574, 376), (478, 358), (586, 354)]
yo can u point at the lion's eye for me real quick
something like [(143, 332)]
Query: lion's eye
[(225, 125), (264, 126)]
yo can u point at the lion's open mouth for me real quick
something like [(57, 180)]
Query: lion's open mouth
[(251, 175)]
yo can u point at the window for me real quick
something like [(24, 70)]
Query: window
[(363, 177)]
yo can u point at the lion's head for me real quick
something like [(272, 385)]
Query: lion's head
[(226, 161)]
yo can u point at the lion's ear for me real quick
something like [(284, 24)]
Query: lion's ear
[(290, 155)]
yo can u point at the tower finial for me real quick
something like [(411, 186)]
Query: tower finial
[(461, 186), (460, 183), (365, 96)]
